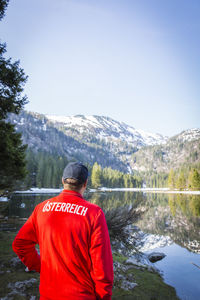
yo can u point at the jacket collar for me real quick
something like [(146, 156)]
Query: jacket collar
[(73, 193)]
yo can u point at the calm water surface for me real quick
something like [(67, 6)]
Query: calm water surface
[(173, 215)]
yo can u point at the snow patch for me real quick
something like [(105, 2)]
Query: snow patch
[(3, 199), (40, 191)]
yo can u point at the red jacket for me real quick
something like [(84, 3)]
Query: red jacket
[(75, 260)]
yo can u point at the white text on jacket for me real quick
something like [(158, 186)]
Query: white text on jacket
[(65, 207)]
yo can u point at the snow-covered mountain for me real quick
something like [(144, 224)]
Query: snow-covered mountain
[(86, 138), (106, 141), (180, 150), (188, 135), (107, 129)]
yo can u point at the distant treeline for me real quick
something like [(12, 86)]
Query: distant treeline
[(186, 177), (155, 180), (184, 180), (45, 170), (112, 178)]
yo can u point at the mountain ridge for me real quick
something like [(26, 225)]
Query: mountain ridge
[(107, 126), (104, 140)]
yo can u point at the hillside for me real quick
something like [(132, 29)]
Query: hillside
[(41, 135), (89, 139), (179, 151), (111, 143)]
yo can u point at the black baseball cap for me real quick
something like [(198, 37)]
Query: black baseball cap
[(76, 170)]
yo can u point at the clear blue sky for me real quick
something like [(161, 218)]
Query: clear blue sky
[(136, 61)]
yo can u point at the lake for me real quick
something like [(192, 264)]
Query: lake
[(170, 224)]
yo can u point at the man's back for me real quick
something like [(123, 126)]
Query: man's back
[(75, 253)]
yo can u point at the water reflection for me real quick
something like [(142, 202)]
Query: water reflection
[(189, 206), (177, 216), (22, 205), (110, 200)]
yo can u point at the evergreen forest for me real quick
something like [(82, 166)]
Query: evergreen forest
[(45, 170)]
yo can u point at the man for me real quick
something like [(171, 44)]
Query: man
[(75, 260)]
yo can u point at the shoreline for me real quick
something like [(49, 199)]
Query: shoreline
[(105, 189), (132, 278), (40, 191), (147, 190)]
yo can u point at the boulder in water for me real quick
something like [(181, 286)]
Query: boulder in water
[(156, 256)]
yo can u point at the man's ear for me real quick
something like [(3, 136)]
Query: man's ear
[(63, 181)]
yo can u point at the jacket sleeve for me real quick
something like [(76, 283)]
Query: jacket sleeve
[(101, 256), (24, 245)]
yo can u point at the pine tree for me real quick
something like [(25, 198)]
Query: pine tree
[(3, 7), (171, 180), (194, 180), (96, 175), (12, 157), (181, 182), (31, 165), (125, 177), (40, 177), (12, 152)]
